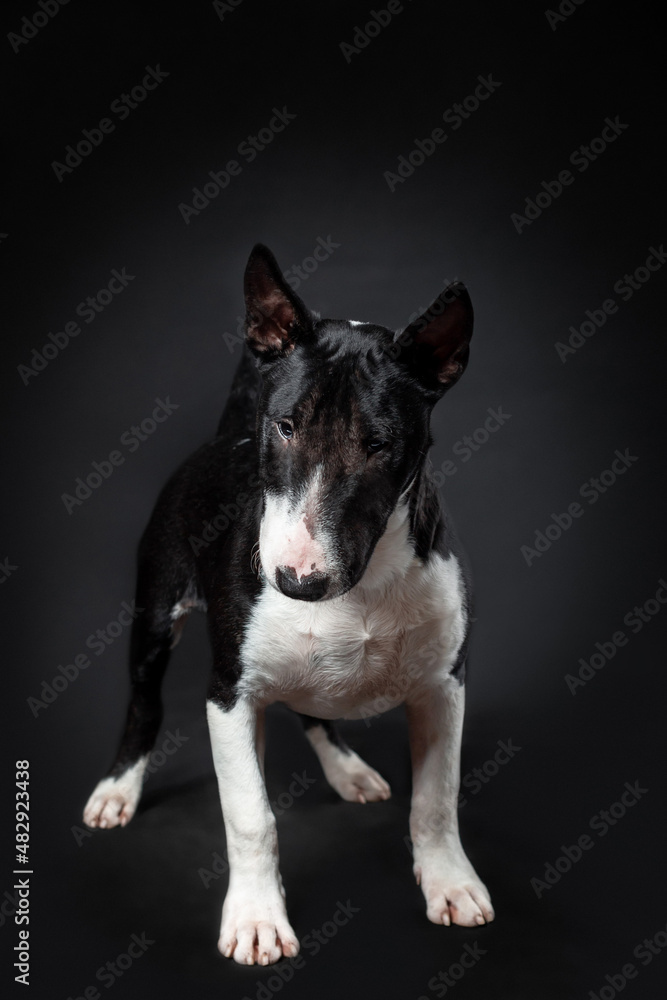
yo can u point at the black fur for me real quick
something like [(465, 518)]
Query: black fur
[(329, 728)]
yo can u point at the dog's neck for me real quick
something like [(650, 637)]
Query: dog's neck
[(394, 553)]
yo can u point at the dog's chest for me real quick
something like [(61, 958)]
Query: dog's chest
[(358, 654)]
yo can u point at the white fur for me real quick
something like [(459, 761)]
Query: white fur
[(353, 778), (284, 535), (114, 800), (396, 631), (184, 607), (254, 927)]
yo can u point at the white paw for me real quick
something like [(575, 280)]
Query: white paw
[(355, 780), (454, 895), (255, 932), (345, 771), (114, 800)]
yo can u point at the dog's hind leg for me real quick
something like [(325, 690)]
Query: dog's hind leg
[(155, 630), (352, 778)]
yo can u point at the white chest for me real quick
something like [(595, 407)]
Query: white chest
[(362, 653)]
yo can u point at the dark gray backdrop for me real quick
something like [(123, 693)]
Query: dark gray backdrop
[(171, 334)]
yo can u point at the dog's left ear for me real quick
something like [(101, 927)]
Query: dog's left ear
[(436, 346), (275, 316)]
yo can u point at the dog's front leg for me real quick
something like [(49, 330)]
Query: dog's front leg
[(453, 891), (254, 927)]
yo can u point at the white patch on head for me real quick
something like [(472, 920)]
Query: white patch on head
[(285, 537), (354, 656), (356, 322), (114, 800)]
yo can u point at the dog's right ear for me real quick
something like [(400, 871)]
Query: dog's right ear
[(275, 316)]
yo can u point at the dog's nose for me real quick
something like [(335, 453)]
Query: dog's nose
[(312, 587)]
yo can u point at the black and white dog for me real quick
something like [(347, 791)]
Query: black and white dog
[(336, 590)]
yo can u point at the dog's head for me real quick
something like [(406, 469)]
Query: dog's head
[(342, 426)]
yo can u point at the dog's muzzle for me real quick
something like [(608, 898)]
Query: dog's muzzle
[(312, 587)]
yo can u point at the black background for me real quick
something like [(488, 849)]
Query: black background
[(163, 337)]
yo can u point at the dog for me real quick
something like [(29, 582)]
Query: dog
[(333, 583)]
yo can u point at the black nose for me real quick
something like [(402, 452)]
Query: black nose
[(306, 588)]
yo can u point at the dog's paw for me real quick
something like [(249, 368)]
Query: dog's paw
[(114, 800), (256, 933), (455, 897), (355, 780)]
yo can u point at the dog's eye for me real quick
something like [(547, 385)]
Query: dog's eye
[(375, 445), (285, 429)]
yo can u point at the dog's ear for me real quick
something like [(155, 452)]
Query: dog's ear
[(275, 316), (436, 346)]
